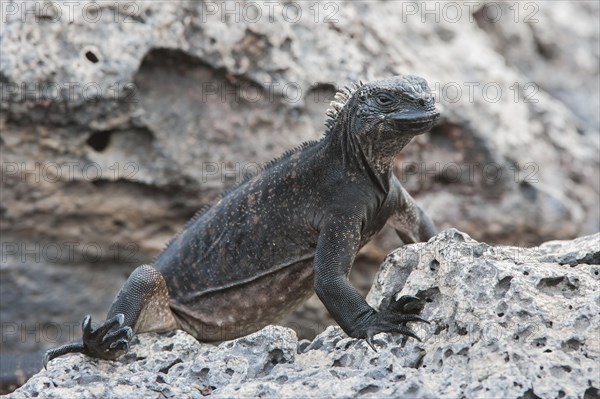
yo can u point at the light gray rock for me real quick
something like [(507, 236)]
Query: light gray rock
[(505, 322)]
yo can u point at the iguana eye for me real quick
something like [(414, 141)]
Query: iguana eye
[(384, 100)]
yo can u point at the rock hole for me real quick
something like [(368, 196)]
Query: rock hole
[(539, 342), (204, 372), (91, 57), (282, 379), (434, 265), (99, 141), (555, 285), (479, 250), (501, 309), (165, 369), (546, 50), (368, 389), (342, 361), (206, 390), (502, 287), (529, 394), (572, 344), (439, 328), (276, 356), (429, 295)]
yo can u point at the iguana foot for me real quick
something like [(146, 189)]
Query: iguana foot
[(392, 319), (109, 341)]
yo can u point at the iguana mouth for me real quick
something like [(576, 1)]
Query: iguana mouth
[(414, 118), (415, 122)]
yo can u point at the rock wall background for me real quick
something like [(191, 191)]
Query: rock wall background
[(119, 122)]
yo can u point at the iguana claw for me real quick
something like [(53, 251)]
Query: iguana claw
[(419, 318), (108, 341), (369, 340), (72, 347), (393, 319), (406, 331)]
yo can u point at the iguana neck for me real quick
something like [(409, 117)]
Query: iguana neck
[(373, 158)]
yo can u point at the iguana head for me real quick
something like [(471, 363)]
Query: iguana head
[(381, 117)]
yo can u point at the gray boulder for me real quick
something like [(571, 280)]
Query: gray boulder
[(505, 322)]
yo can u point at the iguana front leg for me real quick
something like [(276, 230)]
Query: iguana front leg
[(142, 305), (337, 246), (410, 221)]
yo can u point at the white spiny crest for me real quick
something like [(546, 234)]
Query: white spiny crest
[(339, 100)]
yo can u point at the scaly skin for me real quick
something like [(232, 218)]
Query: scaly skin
[(266, 245)]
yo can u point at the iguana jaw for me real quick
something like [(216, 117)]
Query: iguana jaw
[(391, 136), (414, 122)]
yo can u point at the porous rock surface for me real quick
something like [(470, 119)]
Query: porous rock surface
[(505, 322)]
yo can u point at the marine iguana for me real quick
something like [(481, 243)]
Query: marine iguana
[(264, 246)]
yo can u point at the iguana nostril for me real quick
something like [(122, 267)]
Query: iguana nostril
[(422, 102)]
